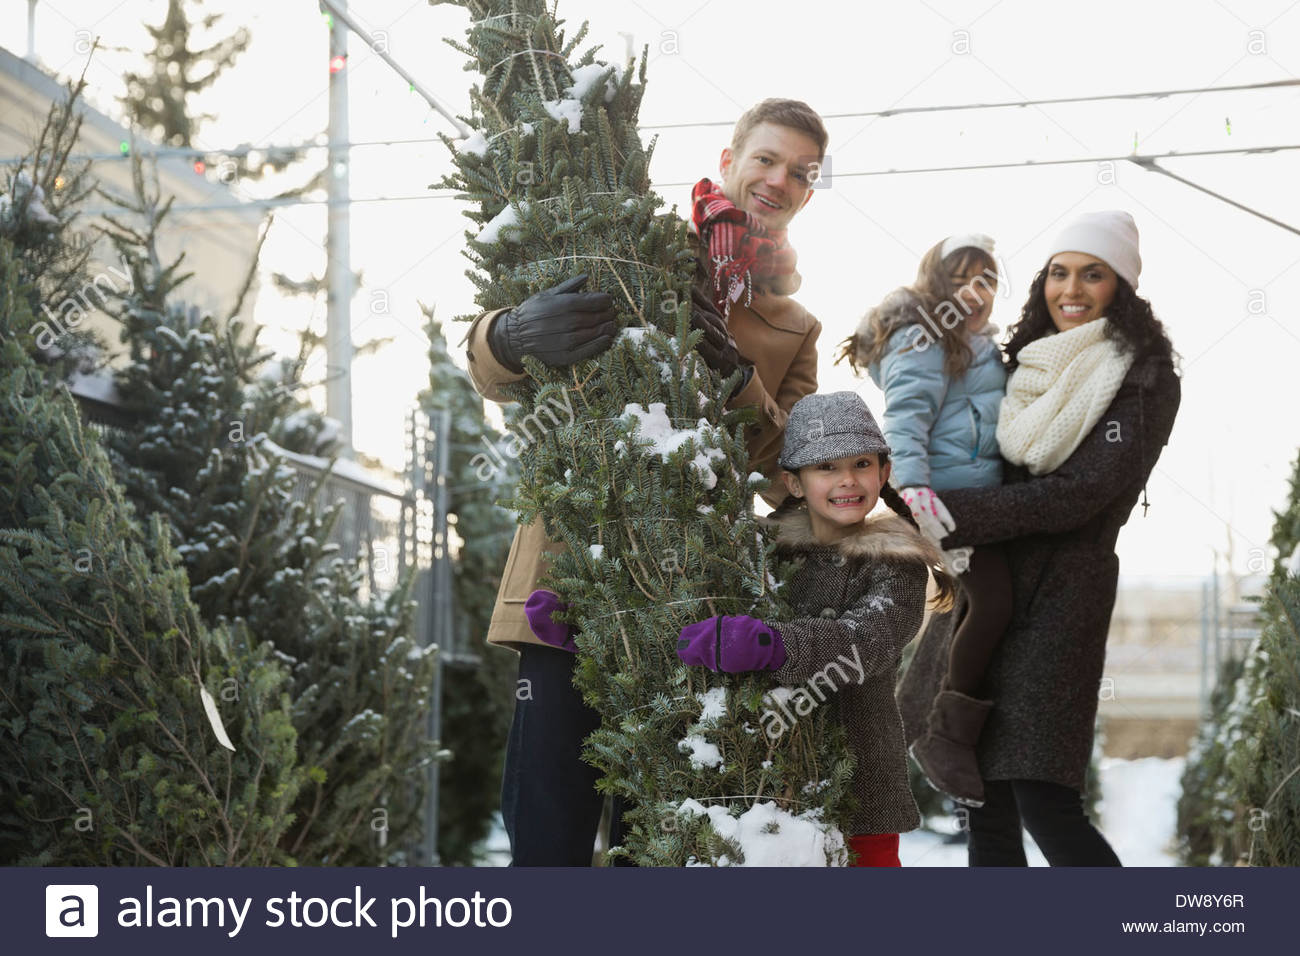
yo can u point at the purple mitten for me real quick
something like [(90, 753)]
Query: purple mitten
[(732, 644), (538, 609)]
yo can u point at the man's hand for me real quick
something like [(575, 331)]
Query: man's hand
[(717, 348), (559, 327)]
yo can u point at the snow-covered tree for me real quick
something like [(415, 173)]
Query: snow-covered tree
[(648, 485), (199, 456)]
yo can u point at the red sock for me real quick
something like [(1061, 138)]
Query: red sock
[(875, 849)]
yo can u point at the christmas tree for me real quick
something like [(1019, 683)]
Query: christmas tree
[(199, 457), (159, 99), (645, 478), (1267, 764), (130, 734), (39, 200), (1241, 788)]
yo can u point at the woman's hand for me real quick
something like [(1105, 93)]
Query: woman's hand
[(733, 644), (930, 514)]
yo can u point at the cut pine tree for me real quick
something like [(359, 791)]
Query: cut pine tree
[(647, 482)]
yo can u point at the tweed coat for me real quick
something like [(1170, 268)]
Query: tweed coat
[(1061, 529), (774, 332), (858, 603)]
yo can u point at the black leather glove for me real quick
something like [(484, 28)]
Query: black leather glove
[(717, 348), (561, 326)]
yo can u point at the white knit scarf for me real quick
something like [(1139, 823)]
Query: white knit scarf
[(1060, 389)]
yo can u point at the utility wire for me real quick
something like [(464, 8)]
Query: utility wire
[(199, 152), (1143, 161), (1131, 157), (194, 152), (1153, 166), (902, 110)]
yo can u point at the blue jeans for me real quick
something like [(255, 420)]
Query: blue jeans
[(549, 802)]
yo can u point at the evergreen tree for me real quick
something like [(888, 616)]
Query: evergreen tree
[(1241, 788), (200, 459), (159, 99), (107, 756), (478, 692), (1266, 765), (39, 198), (648, 485)]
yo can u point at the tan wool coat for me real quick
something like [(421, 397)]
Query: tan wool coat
[(774, 332)]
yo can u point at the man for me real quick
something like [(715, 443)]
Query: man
[(548, 798)]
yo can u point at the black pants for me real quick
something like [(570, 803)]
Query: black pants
[(549, 801), (988, 612), (1052, 814)]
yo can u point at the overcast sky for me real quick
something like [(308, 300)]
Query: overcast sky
[(1226, 283)]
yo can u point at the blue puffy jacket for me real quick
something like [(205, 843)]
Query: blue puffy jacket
[(943, 433)]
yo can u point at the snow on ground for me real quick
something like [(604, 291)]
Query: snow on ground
[(1138, 807)]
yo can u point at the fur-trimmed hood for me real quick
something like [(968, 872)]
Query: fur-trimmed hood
[(884, 537)]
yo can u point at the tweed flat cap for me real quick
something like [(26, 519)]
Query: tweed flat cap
[(826, 427)]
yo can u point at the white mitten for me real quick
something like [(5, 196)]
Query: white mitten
[(930, 514)]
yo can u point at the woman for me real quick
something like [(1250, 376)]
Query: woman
[(1090, 403)]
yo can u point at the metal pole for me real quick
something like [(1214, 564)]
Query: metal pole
[(1205, 649), (439, 621), (338, 269), (31, 31), (442, 510), (1214, 615)]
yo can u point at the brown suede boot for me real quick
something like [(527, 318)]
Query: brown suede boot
[(946, 752)]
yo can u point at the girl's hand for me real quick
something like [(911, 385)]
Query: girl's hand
[(733, 644), (934, 519)]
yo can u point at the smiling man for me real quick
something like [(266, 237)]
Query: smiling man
[(767, 175), (742, 304)]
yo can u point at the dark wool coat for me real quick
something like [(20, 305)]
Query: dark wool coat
[(858, 603), (1061, 528)]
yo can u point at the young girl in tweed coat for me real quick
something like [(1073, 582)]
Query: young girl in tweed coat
[(858, 593)]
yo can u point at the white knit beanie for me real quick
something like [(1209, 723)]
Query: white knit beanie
[(966, 240), (1111, 236)]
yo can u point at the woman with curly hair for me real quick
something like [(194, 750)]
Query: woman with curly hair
[(1090, 403)]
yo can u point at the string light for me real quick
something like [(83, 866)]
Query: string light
[(200, 166), (337, 63)]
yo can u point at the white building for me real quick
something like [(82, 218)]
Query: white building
[(219, 240)]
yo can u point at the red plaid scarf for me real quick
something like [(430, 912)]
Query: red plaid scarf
[(740, 247)]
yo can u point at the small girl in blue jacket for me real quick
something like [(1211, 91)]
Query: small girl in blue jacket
[(929, 347)]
